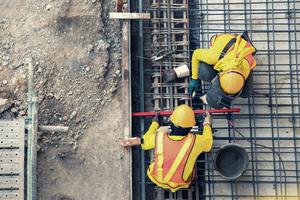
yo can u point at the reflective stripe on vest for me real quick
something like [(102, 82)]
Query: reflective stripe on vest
[(159, 169), (160, 156), (250, 58)]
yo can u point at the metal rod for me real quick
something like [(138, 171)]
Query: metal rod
[(62, 129), (168, 113), (32, 135), (141, 97)]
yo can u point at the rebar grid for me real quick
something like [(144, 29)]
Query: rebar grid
[(169, 29), (270, 118)]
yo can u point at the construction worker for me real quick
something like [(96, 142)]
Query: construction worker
[(228, 64), (176, 151)]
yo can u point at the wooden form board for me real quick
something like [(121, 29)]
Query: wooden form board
[(126, 15), (126, 101)]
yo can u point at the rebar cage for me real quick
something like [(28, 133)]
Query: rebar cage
[(268, 126)]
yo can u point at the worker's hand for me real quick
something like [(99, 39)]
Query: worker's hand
[(193, 85), (170, 75), (208, 119), (178, 72), (156, 118), (128, 142), (204, 99)]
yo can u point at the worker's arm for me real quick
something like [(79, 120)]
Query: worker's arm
[(207, 139), (203, 143), (202, 55), (148, 140), (196, 59), (149, 137)]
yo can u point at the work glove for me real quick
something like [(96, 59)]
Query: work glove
[(178, 72), (193, 85), (203, 99), (207, 119), (156, 118), (170, 75)]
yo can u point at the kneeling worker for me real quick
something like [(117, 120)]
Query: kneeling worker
[(228, 64), (176, 152)]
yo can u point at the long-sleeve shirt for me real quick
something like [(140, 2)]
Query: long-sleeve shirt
[(203, 143)]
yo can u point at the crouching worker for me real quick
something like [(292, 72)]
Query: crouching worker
[(228, 64), (176, 152)]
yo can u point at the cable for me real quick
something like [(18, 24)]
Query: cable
[(159, 52), (231, 124)]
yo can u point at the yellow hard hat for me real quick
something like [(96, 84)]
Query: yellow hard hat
[(183, 116), (232, 82)]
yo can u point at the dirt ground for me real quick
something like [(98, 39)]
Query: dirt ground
[(77, 54)]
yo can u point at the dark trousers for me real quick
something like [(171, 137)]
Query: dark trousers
[(207, 73)]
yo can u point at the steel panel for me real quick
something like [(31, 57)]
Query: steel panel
[(12, 159)]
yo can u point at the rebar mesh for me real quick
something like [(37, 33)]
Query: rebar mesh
[(271, 116), (269, 121)]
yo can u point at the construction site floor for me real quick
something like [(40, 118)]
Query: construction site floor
[(77, 54)]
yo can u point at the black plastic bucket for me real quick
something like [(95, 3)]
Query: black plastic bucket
[(231, 161)]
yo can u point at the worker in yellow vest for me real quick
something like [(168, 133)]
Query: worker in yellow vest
[(176, 152), (228, 64)]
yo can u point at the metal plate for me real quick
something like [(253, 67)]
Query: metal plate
[(9, 182), (10, 195), (12, 159)]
